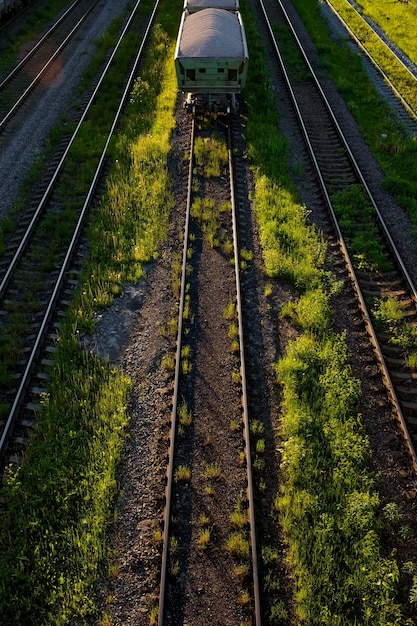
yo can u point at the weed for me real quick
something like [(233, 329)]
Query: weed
[(410, 568), (413, 591), (113, 570), (238, 545), (173, 326), (182, 474), (411, 361), (210, 154), (158, 535), (244, 598), (186, 352), (185, 416), (235, 346), (392, 514), (229, 312), (262, 486), (168, 362), (153, 616), (278, 613), (388, 310), (186, 367), (209, 489), (258, 466), (246, 255), (233, 330), (405, 533), (235, 425), (186, 310), (211, 471), (203, 538), (227, 247), (204, 520), (174, 568), (241, 572), (173, 545), (239, 518), (256, 428)]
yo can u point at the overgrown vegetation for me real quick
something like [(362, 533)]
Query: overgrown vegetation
[(357, 223), (390, 315), (59, 501), (211, 158), (395, 20), (57, 227), (327, 506), (395, 153), (51, 539)]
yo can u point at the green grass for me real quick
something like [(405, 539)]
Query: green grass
[(182, 474), (210, 155), (57, 229), (238, 517), (59, 502), (398, 22), (211, 471), (203, 538), (395, 154), (52, 538), (327, 505), (397, 19), (238, 545)]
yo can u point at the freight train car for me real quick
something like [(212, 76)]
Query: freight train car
[(211, 57)]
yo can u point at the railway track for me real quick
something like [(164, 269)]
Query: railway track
[(35, 275), (211, 544), (42, 64), (403, 76), (377, 283)]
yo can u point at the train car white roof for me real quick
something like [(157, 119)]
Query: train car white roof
[(212, 33), (196, 5)]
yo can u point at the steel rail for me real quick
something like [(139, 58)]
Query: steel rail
[(80, 222), (36, 47), (377, 66), (367, 318), (357, 169), (41, 72), (170, 469), (245, 417), (54, 178), (245, 406)]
